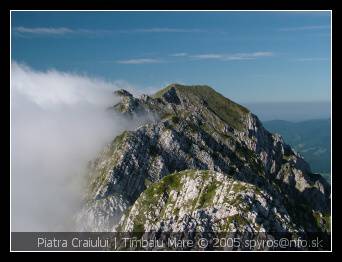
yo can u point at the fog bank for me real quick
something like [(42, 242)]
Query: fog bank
[(58, 124)]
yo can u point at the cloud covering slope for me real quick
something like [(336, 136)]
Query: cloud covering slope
[(58, 124)]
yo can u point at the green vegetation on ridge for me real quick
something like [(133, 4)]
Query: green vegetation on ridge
[(227, 110)]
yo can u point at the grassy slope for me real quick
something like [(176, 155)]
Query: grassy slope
[(229, 111)]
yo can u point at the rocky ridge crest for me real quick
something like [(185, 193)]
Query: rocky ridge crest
[(201, 139)]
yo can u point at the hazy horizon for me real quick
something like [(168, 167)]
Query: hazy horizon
[(291, 111)]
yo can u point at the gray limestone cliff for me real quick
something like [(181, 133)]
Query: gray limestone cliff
[(202, 163)]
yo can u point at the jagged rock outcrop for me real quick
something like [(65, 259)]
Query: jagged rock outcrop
[(206, 201), (197, 128)]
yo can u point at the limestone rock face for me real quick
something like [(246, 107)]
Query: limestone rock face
[(206, 201), (259, 181)]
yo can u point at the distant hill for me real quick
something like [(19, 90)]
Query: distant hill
[(310, 138)]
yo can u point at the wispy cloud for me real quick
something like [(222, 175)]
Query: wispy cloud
[(231, 57), (179, 54), (44, 30), (58, 31), (305, 28), (167, 30), (208, 56), (189, 57), (138, 61), (64, 30)]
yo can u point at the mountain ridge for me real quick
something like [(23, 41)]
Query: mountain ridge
[(196, 128)]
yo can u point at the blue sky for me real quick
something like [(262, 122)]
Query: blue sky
[(249, 57)]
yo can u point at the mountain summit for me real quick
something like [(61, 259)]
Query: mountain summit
[(203, 163)]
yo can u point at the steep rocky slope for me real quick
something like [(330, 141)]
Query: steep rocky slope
[(311, 138), (206, 201), (253, 178)]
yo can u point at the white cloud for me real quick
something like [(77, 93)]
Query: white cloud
[(208, 56), (44, 30), (54, 88), (231, 57), (168, 30), (179, 54), (221, 57), (139, 61), (58, 123), (60, 31)]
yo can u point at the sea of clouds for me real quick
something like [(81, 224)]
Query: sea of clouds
[(59, 122)]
